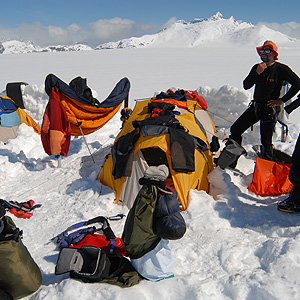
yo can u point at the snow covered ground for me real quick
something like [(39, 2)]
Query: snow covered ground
[(237, 245)]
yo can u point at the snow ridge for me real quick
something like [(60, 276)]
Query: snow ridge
[(215, 30)]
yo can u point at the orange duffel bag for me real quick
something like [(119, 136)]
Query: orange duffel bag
[(270, 178)]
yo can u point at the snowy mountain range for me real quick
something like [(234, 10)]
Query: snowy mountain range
[(212, 31), (14, 46), (215, 30)]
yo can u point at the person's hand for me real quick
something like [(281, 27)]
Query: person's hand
[(273, 103), (261, 67)]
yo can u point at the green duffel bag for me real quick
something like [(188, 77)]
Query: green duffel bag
[(138, 236), (19, 274)]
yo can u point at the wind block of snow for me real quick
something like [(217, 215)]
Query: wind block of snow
[(225, 104)]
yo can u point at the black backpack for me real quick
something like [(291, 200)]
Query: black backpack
[(92, 264)]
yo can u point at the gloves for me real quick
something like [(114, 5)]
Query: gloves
[(20, 210)]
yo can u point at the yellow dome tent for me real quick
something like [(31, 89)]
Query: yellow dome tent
[(155, 149)]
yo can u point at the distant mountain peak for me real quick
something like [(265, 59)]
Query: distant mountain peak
[(217, 16)]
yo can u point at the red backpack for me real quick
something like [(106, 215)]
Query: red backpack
[(82, 234)]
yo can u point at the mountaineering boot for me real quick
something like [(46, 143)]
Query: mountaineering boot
[(289, 204)]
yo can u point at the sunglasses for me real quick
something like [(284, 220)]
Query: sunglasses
[(267, 51)]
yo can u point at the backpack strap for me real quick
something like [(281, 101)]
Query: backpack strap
[(112, 246), (65, 238), (105, 226), (107, 232)]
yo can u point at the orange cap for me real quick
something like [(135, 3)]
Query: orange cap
[(270, 44)]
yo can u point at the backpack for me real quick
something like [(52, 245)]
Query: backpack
[(19, 274), (82, 234), (93, 264)]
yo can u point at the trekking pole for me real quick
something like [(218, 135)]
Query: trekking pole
[(78, 125), (284, 131)]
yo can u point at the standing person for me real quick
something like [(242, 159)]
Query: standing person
[(292, 203), (268, 78)]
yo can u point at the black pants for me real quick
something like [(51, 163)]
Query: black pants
[(294, 174), (252, 115)]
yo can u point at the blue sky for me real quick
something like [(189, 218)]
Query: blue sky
[(82, 12), (94, 22)]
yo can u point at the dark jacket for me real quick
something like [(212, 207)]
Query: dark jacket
[(269, 83)]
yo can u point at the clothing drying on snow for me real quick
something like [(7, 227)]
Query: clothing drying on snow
[(69, 113)]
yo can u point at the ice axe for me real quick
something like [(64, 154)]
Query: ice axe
[(78, 125)]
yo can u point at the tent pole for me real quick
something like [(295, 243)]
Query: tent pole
[(78, 124)]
